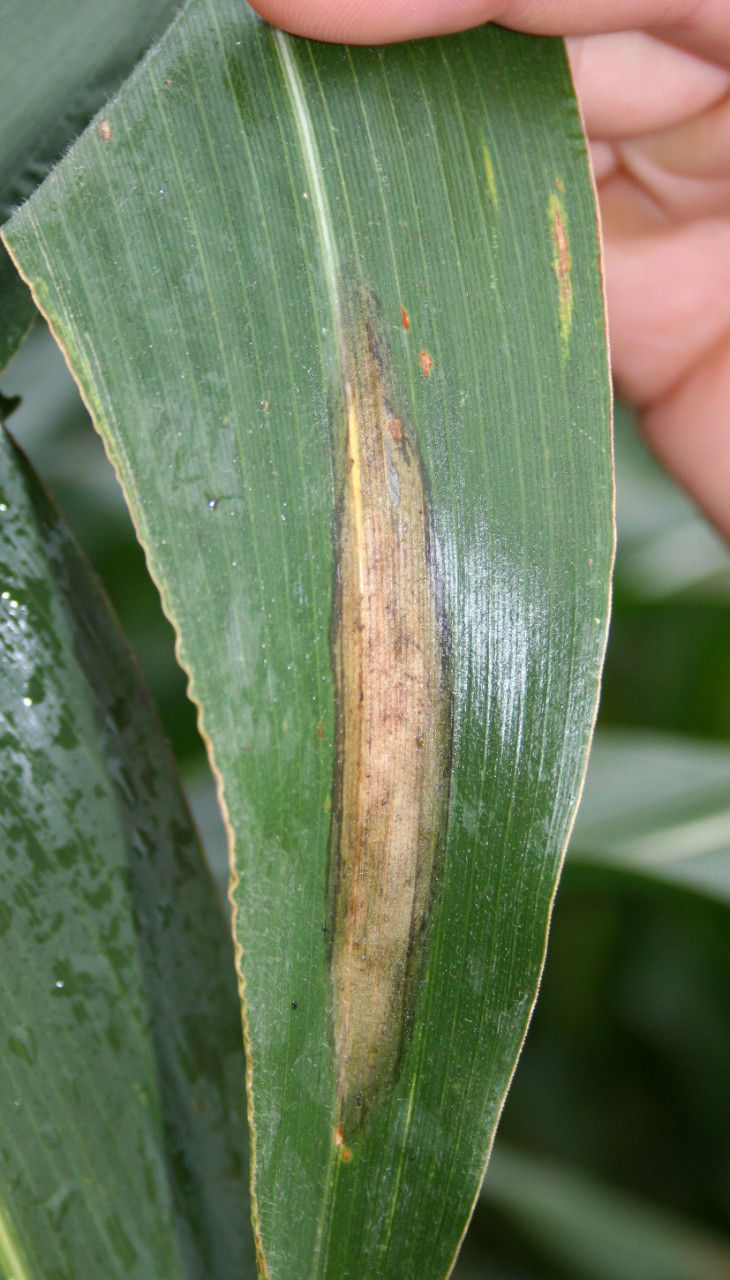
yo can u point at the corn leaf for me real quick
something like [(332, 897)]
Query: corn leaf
[(266, 261), (59, 62), (122, 1077)]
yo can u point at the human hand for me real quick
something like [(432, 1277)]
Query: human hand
[(653, 80)]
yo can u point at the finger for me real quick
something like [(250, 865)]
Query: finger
[(698, 148), (679, 197), (686, 168), (630, 83), (603, 160), (698, 24), (689, 431), (668, 295)]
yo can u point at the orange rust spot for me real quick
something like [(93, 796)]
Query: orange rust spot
[(405, 318), (104, 130), (320, 730), (344, 1152), (425, 361), (560, 184), (395, 426), (561, 246), (562, 267), (265, 406)]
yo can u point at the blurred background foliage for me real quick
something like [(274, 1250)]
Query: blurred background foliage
[(613, 1157)]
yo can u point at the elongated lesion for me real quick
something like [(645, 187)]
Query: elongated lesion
[(393, 722)]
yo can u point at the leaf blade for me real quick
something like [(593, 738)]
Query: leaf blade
[(283, 166), (60, 62), (117, 1119)]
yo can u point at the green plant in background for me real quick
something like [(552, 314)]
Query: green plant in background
[(194, 253)]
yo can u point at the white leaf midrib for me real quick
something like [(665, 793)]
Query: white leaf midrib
[(313, 165)]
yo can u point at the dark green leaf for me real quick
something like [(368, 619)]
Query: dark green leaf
[(59, 62), (202, 263), (122, 1075)]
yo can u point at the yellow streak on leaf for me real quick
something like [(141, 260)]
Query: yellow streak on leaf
[(562, 266), (491, 180), (392, 724)]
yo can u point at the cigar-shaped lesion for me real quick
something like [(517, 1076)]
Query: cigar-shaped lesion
[(393, 722)]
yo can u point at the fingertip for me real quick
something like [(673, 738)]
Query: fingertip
[(688, 431), (373, 21)]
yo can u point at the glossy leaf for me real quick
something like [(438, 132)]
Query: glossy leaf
[(55, 432), (202, 259), (59, 62), (122, 1076)]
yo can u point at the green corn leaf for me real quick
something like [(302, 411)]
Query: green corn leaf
[(59, 62), (122, 1078), (267, 261)]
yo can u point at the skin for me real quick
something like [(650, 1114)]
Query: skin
[(653, 79)]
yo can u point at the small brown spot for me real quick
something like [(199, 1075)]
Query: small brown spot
[(405, 318), (265, 406), (104, 130), (395, 426), (320, 730), (425, 361), (168, 82)]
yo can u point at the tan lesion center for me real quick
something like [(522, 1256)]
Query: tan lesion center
[(392, 720)]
